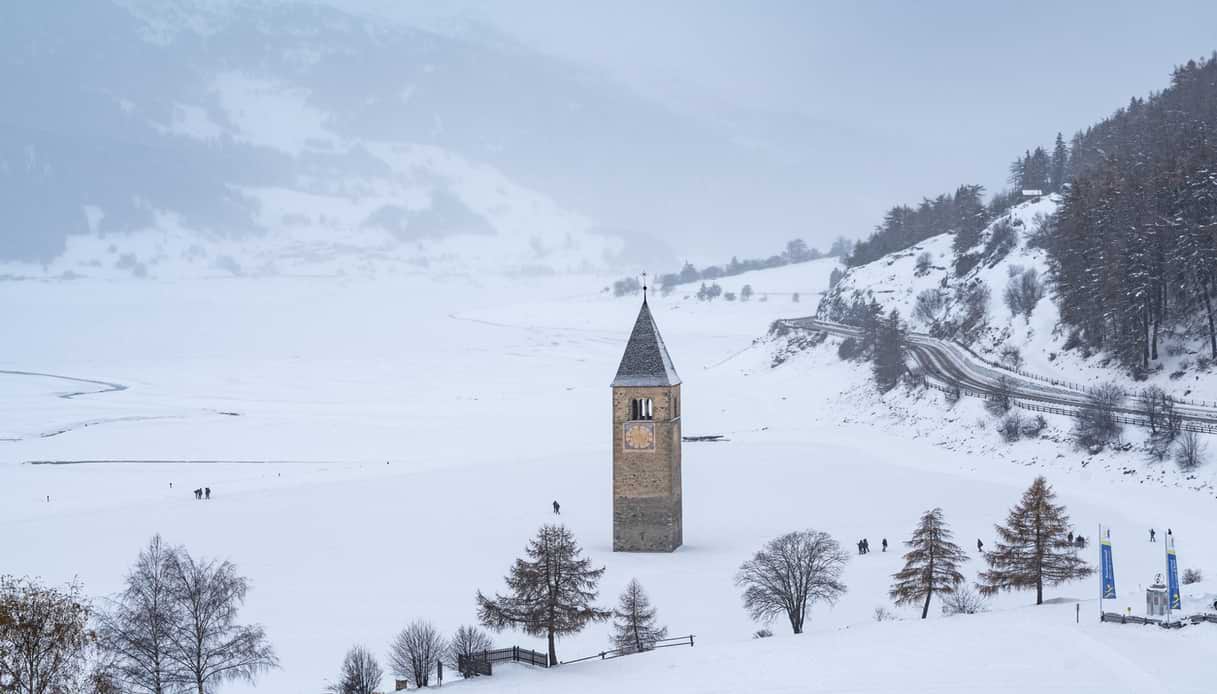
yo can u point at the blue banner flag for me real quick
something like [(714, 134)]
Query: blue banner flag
[(1172, 575), (1108, 590)]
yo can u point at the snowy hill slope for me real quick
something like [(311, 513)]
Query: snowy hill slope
[(405, 402), (1036, 342)]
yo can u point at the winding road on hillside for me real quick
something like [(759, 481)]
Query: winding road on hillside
[(952, 364)]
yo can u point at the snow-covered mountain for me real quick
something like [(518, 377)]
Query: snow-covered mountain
[(151, 137)]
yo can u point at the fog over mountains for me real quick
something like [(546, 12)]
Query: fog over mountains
[(157, 138)]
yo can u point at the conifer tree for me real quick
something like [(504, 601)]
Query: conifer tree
[(889, 352), (551, 592), (931, 564), (1060, 165), (1033, 549), (634, 627)]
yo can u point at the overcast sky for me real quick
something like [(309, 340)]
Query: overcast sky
[(962, 86)]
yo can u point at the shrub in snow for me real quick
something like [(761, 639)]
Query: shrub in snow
[(1023, 292), (745, 292), (929, 306), (1190, 451), (1014, 270), (848, 348), (975, 301), (924, 263), (1002, 239), (1011, 357), (762, 634), (1033, 426), (965, 262), (795, 297), (1011, 426), (963, 601), (790, 573), (1191, 576), (729, 296), (1096, 424), (882, 614), (626, 286)]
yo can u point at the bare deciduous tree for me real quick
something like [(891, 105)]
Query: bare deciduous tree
[(44, 637), (136, 630), (964, 600), (1190, 451), (207, 642), (1001, 399), (634, 627), (468, 641), (361, 674), (415, 652), (790, 573), (1096, 424)]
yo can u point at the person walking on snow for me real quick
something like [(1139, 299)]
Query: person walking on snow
[(980, 546), (859, 546), (1152, 535), (198, 494), (557, 508), (207, 490), (865, 546), (885, 544)]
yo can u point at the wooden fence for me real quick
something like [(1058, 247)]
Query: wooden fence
[(1021, 403), (618, 652), (483, 663), (1118, 618)]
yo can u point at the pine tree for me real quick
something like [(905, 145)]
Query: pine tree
[(1033, 549), (551, 592), (931, 565), (889, 352), (634, 627), (1060, 165)]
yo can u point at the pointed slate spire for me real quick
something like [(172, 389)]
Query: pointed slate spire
[(646, 361)]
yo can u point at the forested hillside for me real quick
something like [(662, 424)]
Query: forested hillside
[(1134, 252)]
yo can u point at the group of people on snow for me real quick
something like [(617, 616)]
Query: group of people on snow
[(864, 546), (202, 493)]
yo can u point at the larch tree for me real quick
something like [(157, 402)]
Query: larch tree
[(550, 593), (1033, 547), (634, 625), (790, 573), (931, 564)]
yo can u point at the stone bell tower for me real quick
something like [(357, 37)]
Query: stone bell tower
[(647, 515)]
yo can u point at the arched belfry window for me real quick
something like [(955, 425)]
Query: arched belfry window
[(641, 409)]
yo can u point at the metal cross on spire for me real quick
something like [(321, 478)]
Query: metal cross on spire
[(644, 285)]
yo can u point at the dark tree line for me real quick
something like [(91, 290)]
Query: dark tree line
[(1134, 254), (796, 251), (963, 212)]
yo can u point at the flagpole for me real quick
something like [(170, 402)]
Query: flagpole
[(1100, 572)]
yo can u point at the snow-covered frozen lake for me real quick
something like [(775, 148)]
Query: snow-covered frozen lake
[(402, 439)]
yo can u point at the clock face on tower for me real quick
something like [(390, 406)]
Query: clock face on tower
[(639, 436)]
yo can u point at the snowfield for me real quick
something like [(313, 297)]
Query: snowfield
[(379, 450)]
